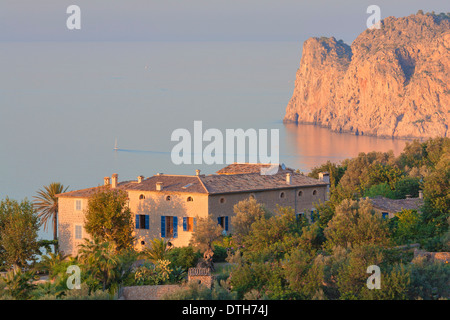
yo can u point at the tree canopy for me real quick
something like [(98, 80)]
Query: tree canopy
[(19, 225), (108, 218)]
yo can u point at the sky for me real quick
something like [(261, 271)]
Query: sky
[(197, 20)]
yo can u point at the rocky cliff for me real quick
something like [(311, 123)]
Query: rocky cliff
[(391, 82)]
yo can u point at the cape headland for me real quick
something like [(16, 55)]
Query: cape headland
[(391, 82)]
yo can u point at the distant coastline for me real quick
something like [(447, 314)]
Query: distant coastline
[(288, 122)]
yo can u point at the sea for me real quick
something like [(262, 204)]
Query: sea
[(65, 105)]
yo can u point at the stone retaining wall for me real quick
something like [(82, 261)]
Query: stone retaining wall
[(433, 256), (147, 292)]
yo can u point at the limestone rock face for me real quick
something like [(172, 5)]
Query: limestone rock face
[(391, 82)]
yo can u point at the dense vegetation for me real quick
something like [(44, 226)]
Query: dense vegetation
[(270, 255), (279, 255), (421, 166)]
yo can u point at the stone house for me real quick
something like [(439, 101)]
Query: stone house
[(388, 208), (167, 206)]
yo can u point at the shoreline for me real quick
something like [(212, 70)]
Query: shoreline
[(296, 123)]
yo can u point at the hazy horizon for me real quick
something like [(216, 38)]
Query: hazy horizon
[(197, 20)]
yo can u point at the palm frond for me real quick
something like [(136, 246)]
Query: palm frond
[(46, 202)]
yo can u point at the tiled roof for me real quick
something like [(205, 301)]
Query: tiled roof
[(256, 182), (86, 193), (396, 205), (239, 168), (209, 184), (174, 183)]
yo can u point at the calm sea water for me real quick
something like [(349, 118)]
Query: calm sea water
[(62, 105)]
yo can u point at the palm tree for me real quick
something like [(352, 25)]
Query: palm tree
[(158, 250), (50, 261), (102, 262), (46, 203)]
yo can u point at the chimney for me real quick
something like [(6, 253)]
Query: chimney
[(115, 180), (288, 178), (159, 186), (420, 194), (140, 179), (106, 180), (324, 176), (197, 172)]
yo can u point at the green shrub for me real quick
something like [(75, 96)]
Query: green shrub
[(184, 257), (381, 189), (429, 280), (407, 186), (153, 274), (20, 284), (220, 253), (84, 293)]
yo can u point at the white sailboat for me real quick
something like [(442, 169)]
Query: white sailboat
[(115, 146)]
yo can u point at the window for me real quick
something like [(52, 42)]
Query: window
[(314, 192), (78, 232), (189, 199), (282, 195), (142, 221), (141, 197), (300, 193), (222, 200), (314, 215), (169, 227), (78, 205), (189, 224), (223, 222), (385, 215), (168, 198), (298, 216), (252, 196)]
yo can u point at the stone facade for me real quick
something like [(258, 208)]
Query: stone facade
[(433, 256), (68, 219), (301, 199), (177, 198), (388, 208), (201, 275), (156, 204), (147, 292)]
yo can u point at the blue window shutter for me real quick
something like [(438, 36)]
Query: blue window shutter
[(137, 221), (312, 215), (146, 222), (175, 227), (195, 223), (184, 223), (218, 220), (163, 226), (226, 223)]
